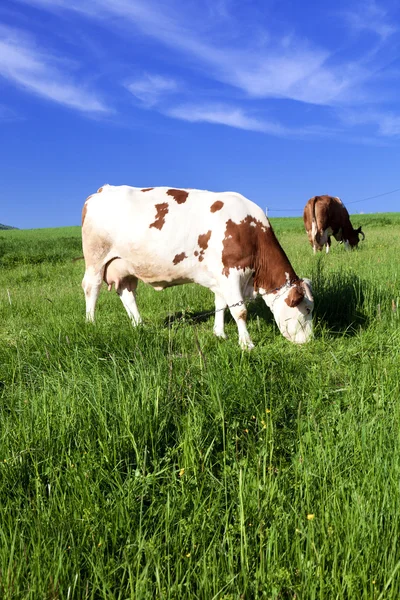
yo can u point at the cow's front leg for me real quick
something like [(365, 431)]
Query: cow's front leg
[(219, 323), (328, 245), (239, 313), (232, 292), (127, 292)]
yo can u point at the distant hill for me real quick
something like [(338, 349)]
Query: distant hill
[(7, 227)]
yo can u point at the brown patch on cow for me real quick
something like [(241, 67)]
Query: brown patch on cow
[(162, 210), (179, 258), (180, 196), (295, 296), (147, 189), (202, 241), (196, 253), (243, 314), (84, 211), (252, 245), (216, 206), (100, 190)]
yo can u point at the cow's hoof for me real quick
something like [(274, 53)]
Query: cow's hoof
[(220, 334), (247, 345)]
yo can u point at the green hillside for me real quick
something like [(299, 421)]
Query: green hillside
[(6, 227)]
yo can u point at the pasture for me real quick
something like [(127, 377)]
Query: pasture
[(162, 462)]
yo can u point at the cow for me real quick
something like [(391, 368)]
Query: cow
[(167, 236), (325, 216)]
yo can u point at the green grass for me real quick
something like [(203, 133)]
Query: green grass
[(162, 462)]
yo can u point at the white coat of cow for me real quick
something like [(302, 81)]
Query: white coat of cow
[(166, 236)]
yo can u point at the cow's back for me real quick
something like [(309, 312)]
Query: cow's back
[(328, 211)]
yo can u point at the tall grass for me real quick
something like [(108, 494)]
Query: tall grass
[(161, 462)]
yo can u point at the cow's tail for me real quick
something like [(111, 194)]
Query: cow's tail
[(314, 228)]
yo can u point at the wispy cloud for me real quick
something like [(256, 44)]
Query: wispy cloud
[(40, 73), (158, 92), (387, 123), (151, 89), (222, 115), (274, 63), (369, 16), (7, 114), (281, 67), (233, 116)]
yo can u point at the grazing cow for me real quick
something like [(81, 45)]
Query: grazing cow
[(325, 216), (168, 237)]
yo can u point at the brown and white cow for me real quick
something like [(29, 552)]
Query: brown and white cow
[(168, 237), (325, 216)]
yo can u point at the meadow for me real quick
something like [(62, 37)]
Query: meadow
[(164, 463)]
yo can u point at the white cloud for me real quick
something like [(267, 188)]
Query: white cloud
[(368, 16), (281, 67), (150, 89), (387, 123), (22, 63), (271, 64), (7, 114), (231, 116), (222, 115)]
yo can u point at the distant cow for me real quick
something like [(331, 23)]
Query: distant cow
[(168, 237), (325, 216)]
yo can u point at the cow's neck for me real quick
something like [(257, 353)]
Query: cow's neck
[(272, 268)]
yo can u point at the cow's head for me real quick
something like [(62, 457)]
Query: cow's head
[(354, 237), (292, 307)]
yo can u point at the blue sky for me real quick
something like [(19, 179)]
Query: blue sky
[(278, 100)]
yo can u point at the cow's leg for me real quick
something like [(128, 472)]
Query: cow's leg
[(234, 298), (127, 292), (239, 313), (91, 284), (220, 306), (328, 244)]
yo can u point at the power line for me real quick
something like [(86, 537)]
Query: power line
[(372, 197), (353, 202)]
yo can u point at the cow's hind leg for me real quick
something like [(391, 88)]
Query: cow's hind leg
[(127, 292), (220, 306), (91, 284)]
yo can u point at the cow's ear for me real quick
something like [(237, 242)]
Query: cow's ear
[(295, 296)]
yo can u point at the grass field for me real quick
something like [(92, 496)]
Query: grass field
[(165, 463)]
